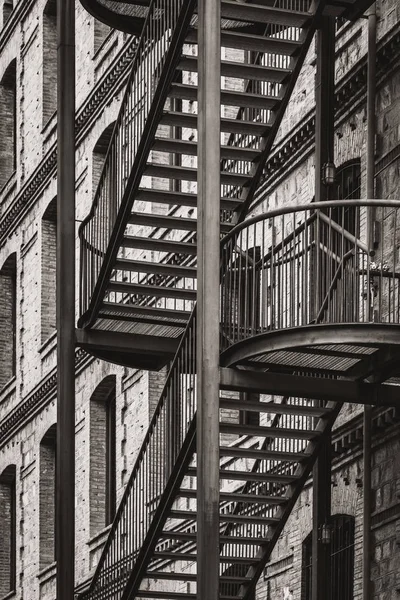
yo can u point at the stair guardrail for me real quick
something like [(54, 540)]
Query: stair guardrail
[(167, 432), (162, 37), (304, 264)]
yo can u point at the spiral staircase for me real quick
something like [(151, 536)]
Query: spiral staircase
[(303, 297)]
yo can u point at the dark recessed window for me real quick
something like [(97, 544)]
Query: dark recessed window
[(342, 560), (48, 270), (8, 320), (8, 530), (49, 60), (102, 484), (47, 497), (8, 115)]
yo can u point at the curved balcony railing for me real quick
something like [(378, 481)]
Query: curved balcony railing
[(304, 265)]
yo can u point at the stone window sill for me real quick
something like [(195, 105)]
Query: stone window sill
[(47, 573), (7, 389), (10, 595), (48, 345)]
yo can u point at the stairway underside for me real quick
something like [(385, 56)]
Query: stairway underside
[(129, 16)]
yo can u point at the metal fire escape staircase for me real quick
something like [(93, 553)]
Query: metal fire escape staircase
[(138, 286)]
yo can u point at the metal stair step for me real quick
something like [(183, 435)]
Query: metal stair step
[(158, 315), (274, 407), (249, 476), (193, 557), (191, 515), (255, 43), (240, 70), (173, 595), (180, 198), (190, 149), (190, 174), (239, 126), (255, 13), (172, 576), (224, 539), (228, 97), (261, 454), (237, 497), (143, 266), (159, 245), (151, 290), (269, 432), (167, 222)]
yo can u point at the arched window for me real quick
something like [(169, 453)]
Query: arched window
[(102, 455), (8, 531), (48, 270), (8, 113), (342, 560), (99, 155), (49, 60), (47, 498), (101, 31), (8, 320), (7, 10)]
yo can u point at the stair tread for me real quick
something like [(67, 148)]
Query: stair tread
[(143, 266), (265, 431), (256, 13), (189, 148), (180, 198), (248, 41), (193, 557), (169, 222), (151, 290), (237, 497), (224, 539), (274, 407), (159, 245), (160, 313), (240, 126), (190, 173), (230, 97), (262, 454), (249, 476), (224, 518), (240, 70), (172, 575)]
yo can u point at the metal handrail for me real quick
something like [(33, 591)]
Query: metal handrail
[(156, 57)]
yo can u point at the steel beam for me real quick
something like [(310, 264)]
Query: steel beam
[(332, 390), (209, 192), (65, 471)]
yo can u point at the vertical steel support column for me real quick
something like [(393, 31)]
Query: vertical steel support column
[(367, 420), (65, 472), (324, 152), (209, 191)]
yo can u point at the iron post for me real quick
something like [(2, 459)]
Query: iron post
[(65, 471), (208, 219), (324, 155)]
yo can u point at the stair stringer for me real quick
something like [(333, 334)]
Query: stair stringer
[(161, 514), (303, 471)]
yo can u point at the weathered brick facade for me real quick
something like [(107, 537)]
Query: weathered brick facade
[(27, 284)]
